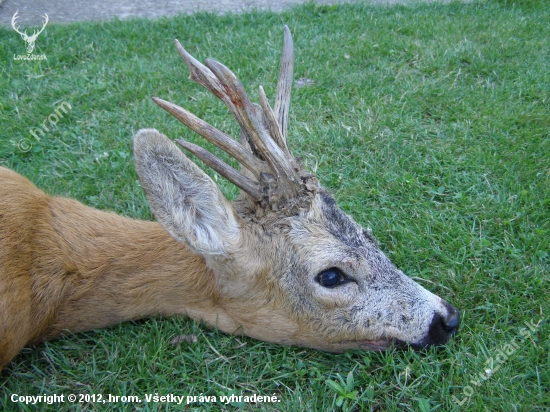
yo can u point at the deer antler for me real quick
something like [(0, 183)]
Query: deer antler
[(36, 33), (13, 19), (24, 34), (284, 85), (277, 179)]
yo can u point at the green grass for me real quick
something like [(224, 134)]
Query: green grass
[(429, 123)]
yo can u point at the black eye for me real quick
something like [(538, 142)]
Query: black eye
[(331, 277)]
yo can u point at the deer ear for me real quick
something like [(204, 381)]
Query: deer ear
[(185, 201)]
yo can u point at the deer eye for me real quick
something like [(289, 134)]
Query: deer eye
[(331, 277)]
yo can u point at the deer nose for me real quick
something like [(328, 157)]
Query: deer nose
[(452, 320)]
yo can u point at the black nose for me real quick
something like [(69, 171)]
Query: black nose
[(451, 322), (442, 327)]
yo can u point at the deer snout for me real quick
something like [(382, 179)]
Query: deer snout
[(443, 326), (452, 320)]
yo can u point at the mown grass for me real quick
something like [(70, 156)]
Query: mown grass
[(429, 123)]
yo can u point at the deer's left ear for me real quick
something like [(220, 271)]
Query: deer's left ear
[(184, 199)]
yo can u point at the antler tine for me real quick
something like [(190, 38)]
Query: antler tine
[(202, 75), (43, 25), (254, 127), (284, 85), (13, 20), (223, 169), (213, 135), (272, 124)]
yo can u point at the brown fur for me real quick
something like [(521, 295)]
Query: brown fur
[(67, 267)]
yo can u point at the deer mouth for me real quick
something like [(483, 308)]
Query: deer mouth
[(379, 344)]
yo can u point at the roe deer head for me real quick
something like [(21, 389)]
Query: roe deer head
[(283, 244), (281, 263)]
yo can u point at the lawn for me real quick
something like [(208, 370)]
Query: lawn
[(430, 124)]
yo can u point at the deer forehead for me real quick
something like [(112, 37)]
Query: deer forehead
[(303, 245), (326, 236)]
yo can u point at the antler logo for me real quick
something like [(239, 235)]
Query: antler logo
[(30, 40)]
